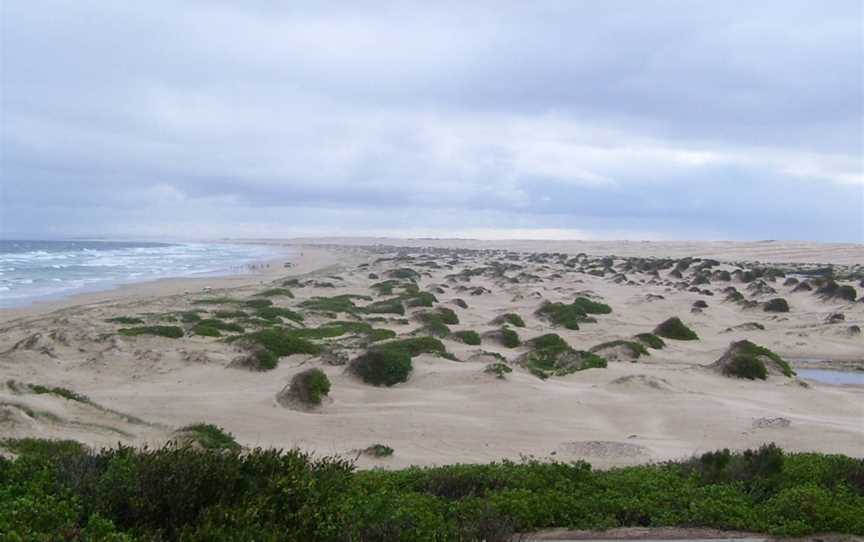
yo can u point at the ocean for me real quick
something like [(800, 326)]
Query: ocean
[(47, 270)]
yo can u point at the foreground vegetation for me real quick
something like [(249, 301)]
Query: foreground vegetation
[(63, 491)]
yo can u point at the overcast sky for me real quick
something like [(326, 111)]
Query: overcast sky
[(573, 119)]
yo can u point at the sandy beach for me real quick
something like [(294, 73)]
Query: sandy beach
[(665, 405)]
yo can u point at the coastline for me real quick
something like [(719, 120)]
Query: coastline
[(302, 260)]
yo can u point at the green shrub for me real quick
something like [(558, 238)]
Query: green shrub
[(421, 299), (560, 314), (778, 304), (171, 332), (509, 338), (591, 307), (636, 348), (229, 314), (59, 392), (651, 340), (415, 346), (282, 342), (674, 328), (468, 337), (221, 325), (379, 450), (511, 318), (274, 313), (383, 367), (206, 331), (276, 292), (209, 436), (310, 386), (387, 306), (128, 320), (499, 369), (746, 367)]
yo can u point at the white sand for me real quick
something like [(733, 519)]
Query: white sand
[(448, 411)]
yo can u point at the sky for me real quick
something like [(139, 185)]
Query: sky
[(575, 119)]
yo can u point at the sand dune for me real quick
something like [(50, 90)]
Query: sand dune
[(667, 404)]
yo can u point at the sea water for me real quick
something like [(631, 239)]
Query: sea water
[(44, 270)]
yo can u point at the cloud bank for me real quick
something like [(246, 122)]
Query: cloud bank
[(666, 119)]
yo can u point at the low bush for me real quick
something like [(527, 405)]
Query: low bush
[(171, 332), (468, 337), (568, 316), (746, 367), (59, 490), (276, 292), (650, 340), (674, 328), (127, 320), (499, 369), (591, 307), (510, 318), (509, 338), (379, 450), (310, 386), (383, 367), (778, 304), (207, 436)]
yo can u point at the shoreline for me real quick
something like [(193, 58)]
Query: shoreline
[(302, 262)]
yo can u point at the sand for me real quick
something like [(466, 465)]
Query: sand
[(664, 406)]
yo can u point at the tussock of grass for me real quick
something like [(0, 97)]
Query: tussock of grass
[(510, 318), (383, 367), (379, 450), (415, 346), (274, 313), (499, 369), (562, 314)]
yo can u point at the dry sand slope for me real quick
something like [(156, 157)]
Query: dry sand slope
[(664, 405)]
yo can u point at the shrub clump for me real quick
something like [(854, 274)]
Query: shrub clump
[(415, 346), (307, 387), (383, 367), (276, 292), (378, 450), (171, 332), (778, 304), (510, 318), (674, 328), (126, 320), (651, 340), (469, 337), (591, 307), (553, 356), (744, 359), (499, 369), (566, 315), (207, 436)]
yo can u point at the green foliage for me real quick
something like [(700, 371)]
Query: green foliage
[(127, 320), (229, 314), (276, 292), (591, 307), (274, 313), (379, 450), (415, 346), (746, 361), (209, 437), (386, 306), (674, 328), (339, 303), (421, 299), (310, 386), (651, 340), (258, 303), (216, 301), (511, 318), (746, 367), (552, 356), (778, 304), (282, 342), (566, 315), (404, 273), (509, 338), (55, 491), (206, 331), (383, 367), (469, 337), (221, 325), (171, 332), (190, 317), (499, 369), (59, 392)]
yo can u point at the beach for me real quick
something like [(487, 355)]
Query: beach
[(668, 404)]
